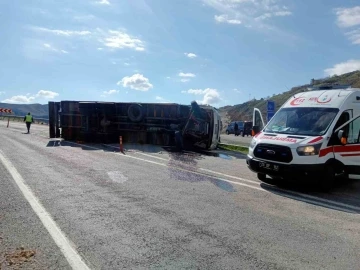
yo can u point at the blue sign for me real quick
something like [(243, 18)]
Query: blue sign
[(270, 106), (269, 115)]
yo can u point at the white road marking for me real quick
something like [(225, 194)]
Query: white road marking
[(290, 194), (117, 177), (316, 201), (287, 191), (230, 176), (66, 247), (316, 198)]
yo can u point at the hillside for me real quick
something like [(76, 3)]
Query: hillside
[(244, 111), (37, 110)]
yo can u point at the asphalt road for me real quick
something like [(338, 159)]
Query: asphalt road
[(149, 208), (237, 140)]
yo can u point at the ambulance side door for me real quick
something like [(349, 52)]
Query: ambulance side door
[(349, 152), (258, 121)]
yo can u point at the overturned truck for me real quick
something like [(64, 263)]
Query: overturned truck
[(165, 124)]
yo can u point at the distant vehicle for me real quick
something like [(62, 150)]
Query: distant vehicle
[(247, 128), (231, 127), (165, 124), (315, 134)]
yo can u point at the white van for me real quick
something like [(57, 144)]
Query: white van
[(314, 134)]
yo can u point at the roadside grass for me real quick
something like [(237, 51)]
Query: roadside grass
[(236, 148)]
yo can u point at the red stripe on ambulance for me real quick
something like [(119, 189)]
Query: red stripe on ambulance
[(340, 149)]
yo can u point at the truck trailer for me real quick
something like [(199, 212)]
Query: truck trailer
[(165, 124)]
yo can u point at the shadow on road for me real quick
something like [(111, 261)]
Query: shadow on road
[(183, 166), (344, 196), (146, 148)]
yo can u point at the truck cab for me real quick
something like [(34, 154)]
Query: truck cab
[(315, 134)]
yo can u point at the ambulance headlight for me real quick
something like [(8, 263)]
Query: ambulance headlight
[(308, 150), (253, 143)]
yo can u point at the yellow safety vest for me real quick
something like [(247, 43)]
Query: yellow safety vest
[(28, 118)]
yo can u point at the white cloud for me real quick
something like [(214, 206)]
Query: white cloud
[(237, 91), (282, 13), (49, 47), (136, 82), (120, 40), (249, 13), (191, 55), (348, 17), (47, 94), (112, 39), (184, 80), (65, 33), (103, 2), (161, 100), (344, 67), (19, 100), (111, 92), (264, 16), (30, 98), (268, 15), (354, 36), (225, 19), (82, 18), (210, 95), (186, 75)]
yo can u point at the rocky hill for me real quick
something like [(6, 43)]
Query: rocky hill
[(244, 111)]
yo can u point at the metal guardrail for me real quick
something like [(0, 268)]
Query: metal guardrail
[(14, 118)]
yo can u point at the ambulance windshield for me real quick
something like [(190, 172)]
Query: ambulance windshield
[(302, 121)]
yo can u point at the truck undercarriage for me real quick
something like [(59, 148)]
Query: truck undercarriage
[(181, 126)]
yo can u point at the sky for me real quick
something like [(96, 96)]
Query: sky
[(217, 52)]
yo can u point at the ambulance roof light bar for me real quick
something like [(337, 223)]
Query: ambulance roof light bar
[(329, 87)]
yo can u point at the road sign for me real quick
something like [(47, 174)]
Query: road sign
[(5, 110), (270, 106), (269, 115)]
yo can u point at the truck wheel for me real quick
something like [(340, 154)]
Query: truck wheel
[(227, 132), (135, 112), (261, 176)]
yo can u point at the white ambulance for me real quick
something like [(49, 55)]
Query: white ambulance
[(314, 135)]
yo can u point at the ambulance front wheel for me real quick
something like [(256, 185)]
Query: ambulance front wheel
[(328, 179), (261, 176)]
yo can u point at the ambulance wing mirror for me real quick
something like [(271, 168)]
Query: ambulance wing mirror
[(255, 130), (342, 137)]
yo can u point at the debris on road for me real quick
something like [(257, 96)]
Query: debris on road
[(18, 257)]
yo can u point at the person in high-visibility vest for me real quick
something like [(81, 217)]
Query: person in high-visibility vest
[(28, 119)]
